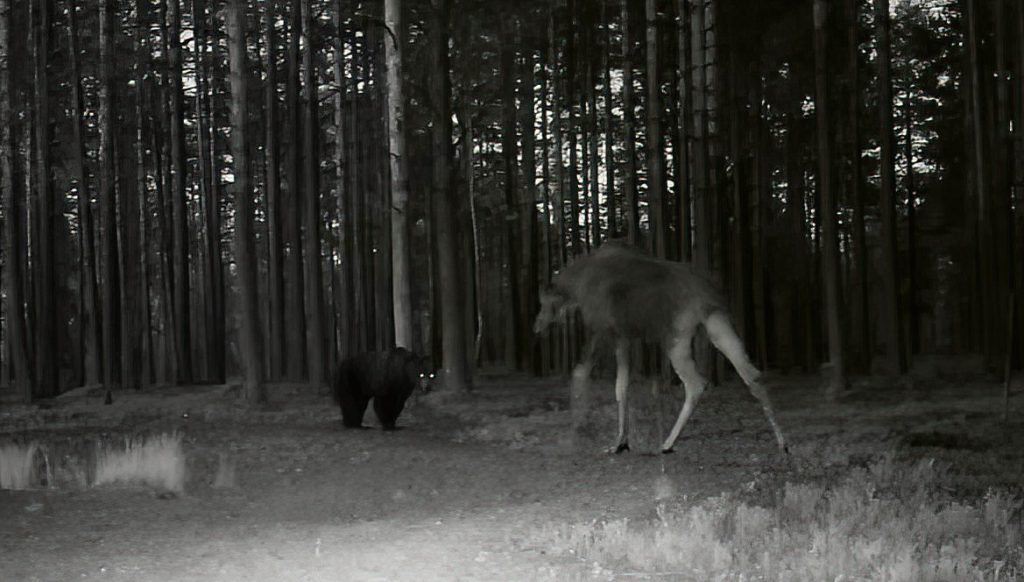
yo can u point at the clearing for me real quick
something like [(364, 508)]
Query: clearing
[(472, 488)]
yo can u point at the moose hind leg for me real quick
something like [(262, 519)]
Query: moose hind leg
[(680, 353), (621, 395), (724, 337)]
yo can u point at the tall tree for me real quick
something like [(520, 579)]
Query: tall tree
[(108, 200), (702, 205), (272, 165), (629, 130), (655, 146), (311, 209), (862, 321), (829, 230), (17, 338), (509, 153), (295, 303), (89, 310), (889, 314), (250, 340), (685, 129), (44, 237), (132, 252), (179, 217), (454, 363), (400, 272), (213, 279)]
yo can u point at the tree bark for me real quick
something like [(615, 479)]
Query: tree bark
[(131, 221), (529, 207), (90, 332), (509, 152), (609, 133), (179, 216), (250, 344), (43, 240), (895, 359), (295, 303), (275, 256), (341, 160), (210, 182), (702, 246), (17, 334), (862, 334), (829, 232), (402, 284), (685, 130), (108, 202), (455, 365), (311, 209), (655, 151), (629, 131)]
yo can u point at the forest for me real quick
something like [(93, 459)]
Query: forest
[(200, 190)]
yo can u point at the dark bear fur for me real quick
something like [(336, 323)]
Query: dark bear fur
[(388, 377)]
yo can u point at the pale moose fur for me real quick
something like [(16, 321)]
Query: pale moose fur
[(628, 295)]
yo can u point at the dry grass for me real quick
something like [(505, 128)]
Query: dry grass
[(17, 465), (157, 461), (887, 521)]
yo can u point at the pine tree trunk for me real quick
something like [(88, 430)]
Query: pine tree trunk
[(591, 125), (889, 314), (609, 133), (829, 231), (179, 216), (655, 152), (629, 131), (912, 321), (311, 209), (295, 303), (341, 161), (43, 239), (685, 130), (131, 228), (1001, 221), (275, 258), (572, 42), (529, 207), (862, 321), (216, 344), (89, 310), (455, 367), (250, 344), (17, 334), (108, 203), (702, 246), (401, 282), (512, 206)]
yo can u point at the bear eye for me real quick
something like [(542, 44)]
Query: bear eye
[(423, 375), (431, 376)]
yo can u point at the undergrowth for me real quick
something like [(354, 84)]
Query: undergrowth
[(888, 520), (157, 461)]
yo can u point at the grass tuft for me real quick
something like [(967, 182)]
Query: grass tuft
[(17, 465), (889, 521), (157, 461)]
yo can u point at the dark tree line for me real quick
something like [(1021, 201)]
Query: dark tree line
[(194, 190)]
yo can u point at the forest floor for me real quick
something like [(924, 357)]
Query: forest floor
[(470, 489)]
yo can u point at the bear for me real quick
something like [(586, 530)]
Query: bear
[(389, 378)]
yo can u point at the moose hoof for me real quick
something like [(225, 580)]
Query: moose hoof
[(616, 449)]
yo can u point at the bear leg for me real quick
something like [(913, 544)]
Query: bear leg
[(353, 407), (388, 408)]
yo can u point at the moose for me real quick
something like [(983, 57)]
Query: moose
[(623, 293)]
